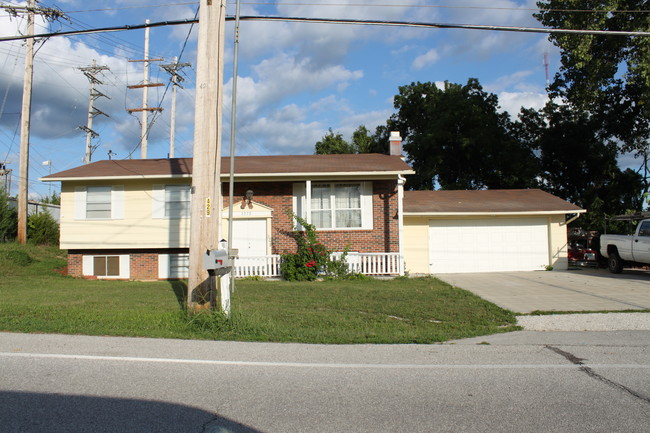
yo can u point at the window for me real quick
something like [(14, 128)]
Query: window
[(98, 202), (106, 266), (171, 201), (645, 229), (177, 201), (179, 265), (335, 205), (173, 265)]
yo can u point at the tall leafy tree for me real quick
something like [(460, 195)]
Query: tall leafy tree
[(362, 142), (577, 163), (605, 75), (333, 143), (457, 138)]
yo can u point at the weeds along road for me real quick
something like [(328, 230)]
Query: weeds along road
[(522, 381)]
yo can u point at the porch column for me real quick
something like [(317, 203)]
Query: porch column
[(400, 221), (308, 201)]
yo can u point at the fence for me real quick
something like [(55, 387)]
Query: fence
[(260, 266), (362, 263)]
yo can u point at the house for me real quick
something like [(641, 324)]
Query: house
[(130, 218), (485, 231)]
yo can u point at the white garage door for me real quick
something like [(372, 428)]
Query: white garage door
[(488, 245)]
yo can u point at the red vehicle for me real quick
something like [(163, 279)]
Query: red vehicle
[(583, 247)]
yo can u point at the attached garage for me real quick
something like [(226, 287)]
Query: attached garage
[(485, 231)]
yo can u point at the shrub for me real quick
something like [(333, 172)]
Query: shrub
[(311, 259), (43, 229), (8, 219)]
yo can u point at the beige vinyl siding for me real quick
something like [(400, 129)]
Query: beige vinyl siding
[(137, 228), (558, 242), (416, 244)]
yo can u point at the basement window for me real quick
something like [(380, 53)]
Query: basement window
[(106, 266)]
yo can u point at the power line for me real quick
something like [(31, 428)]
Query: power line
[(342, 21), (372, 5)]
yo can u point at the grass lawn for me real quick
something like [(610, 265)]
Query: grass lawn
[(35, 298)]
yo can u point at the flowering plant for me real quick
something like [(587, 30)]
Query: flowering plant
[(311, 258)]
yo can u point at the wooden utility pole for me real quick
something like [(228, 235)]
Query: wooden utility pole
[(91, 73), (145, 109), (23, 175), (23, 179), (173, 69), (206, 184)]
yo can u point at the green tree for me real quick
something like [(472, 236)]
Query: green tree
[(333, 143), (53, 199), (8, 219), (577, 163), (605, 75), (362, 140), (456, 138), (42, 229)]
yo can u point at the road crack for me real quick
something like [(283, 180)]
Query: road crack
[(591, 373)]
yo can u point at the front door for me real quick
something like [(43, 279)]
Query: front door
[(249, 237)]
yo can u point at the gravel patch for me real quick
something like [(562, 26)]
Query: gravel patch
[(587, 322)]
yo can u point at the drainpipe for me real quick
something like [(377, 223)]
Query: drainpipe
[(400, 221), (570, 220)]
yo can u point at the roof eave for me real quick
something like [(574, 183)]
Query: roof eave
[(148, 176), (523, 213), (248, 176)]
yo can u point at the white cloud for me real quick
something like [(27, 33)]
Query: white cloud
[(512, 102), (511, 81), (273, 135), (426, 59)]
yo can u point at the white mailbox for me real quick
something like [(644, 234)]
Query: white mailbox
[(217, 262)]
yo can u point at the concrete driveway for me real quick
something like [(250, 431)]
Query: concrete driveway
[(574, 290)]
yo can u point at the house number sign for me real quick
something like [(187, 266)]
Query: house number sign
[(208, 207)]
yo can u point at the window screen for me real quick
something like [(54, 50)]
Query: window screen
[(98, 202)]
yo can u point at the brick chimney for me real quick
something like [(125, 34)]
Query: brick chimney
[(395, 147)]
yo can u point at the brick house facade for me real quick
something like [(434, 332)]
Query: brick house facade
[(129, 240)]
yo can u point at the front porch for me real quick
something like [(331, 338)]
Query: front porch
[(371, 264)]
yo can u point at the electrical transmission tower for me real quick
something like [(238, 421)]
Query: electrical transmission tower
[(172, 69), (145, 109), (91, 73)]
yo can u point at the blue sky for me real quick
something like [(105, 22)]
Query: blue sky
[(296, 80)]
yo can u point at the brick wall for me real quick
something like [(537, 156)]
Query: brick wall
[(278, 196), (75, 264), (143, 264)]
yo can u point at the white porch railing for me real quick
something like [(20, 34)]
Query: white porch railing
[(376, 263), (362, 263), (259, 266)]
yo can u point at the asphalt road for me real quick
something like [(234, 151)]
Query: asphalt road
[(518, 382)]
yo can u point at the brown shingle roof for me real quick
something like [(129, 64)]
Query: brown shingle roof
[(485, 201), (244, 165)]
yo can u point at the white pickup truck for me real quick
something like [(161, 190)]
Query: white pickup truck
[(622, 250)]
